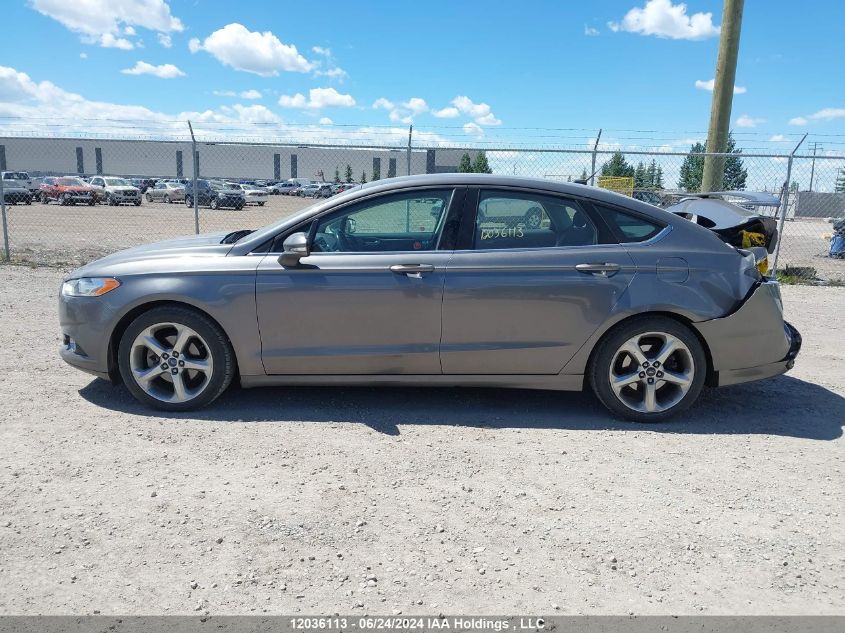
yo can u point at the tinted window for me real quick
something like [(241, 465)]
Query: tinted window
[(631, 228), (519, 220), (400, 222)]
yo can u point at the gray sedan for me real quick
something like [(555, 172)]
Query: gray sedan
[(166, 191), (437, 280)]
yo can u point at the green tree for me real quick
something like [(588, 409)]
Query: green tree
[(735, 172), (617, 166), (692, 169), (363, 177), (793, 186), (584, 175), (376, 171), (481, 166), (839, 187), (651, 175), (658, 178), (336, 174), (465, 166), (348, 172), (640, 177)]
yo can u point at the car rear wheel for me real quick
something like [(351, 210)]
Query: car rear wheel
[(45, 199), (149, 197), (167, 199), (648, 369), (189, 202), (175, 359), (215, 203)]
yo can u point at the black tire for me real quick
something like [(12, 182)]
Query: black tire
[(217, 344), (149, 197), (598, 372), (137, 203), (92, 202), (260, 204), (45, 199), (239, 206), (166, 200), (189, 201), (215, 203)]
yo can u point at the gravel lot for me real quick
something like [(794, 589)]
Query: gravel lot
[(51, 234), (416, 500)]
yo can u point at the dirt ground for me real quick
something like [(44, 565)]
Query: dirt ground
[(50, 234), (322, 500)]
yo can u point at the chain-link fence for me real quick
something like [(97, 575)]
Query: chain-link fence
[(69, 200)]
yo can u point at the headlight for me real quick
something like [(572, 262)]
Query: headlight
[(89, 286)]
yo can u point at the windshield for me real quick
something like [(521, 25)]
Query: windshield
[(116, 182), (70, 182), (15, 175)]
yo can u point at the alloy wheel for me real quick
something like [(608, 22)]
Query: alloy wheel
[(171, 362), (652, 372)]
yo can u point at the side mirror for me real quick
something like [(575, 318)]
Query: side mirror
[(295, 248)]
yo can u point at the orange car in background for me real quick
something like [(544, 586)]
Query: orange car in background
[(66, 190)]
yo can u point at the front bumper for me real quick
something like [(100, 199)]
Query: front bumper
[(125, 196), (85, 323), (752, 343)]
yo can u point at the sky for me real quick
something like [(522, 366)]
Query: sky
[(524, 73)]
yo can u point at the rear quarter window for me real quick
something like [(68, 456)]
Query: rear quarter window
[(629, 227)]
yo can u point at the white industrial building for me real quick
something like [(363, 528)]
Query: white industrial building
[(83, 156)]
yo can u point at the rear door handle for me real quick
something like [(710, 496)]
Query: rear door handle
[(412, 270), (606, 269)]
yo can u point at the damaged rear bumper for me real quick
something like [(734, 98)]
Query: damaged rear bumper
[(752, 343)]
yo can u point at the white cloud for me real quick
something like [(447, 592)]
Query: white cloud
[(325, 121), (747, 121), (480, 112), (107, 40), (473, 129), (332, 73), (83, 55), (320, 50), (589, 31), (251, 94), (250, 51), (825, 114), (415, 105), (165, 40), (164, 71), (778, 138), (446, 113), (101, 22), (710, 83), (318, 98), (664, 19), (383, 103), (31, 103)]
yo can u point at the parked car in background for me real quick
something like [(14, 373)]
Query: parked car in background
[(650, 197), (215, 195), (142, 183), (115, 191), (608, 293), (15, 194), (66, 190), (282, 188), (22, 180), (166, 191), (316, 190), (737, 217), (253, 194)]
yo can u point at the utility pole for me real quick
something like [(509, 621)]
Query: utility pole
[(410, 134), (723, 92), (813, 166)]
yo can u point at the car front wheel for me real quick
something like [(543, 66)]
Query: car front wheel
[(175, 359), (648, 369)]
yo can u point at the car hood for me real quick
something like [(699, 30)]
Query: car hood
[(150, 257), (82, 188), (120, 188)]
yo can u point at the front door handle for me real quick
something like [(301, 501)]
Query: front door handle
[(412, 270), (606, 269)]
